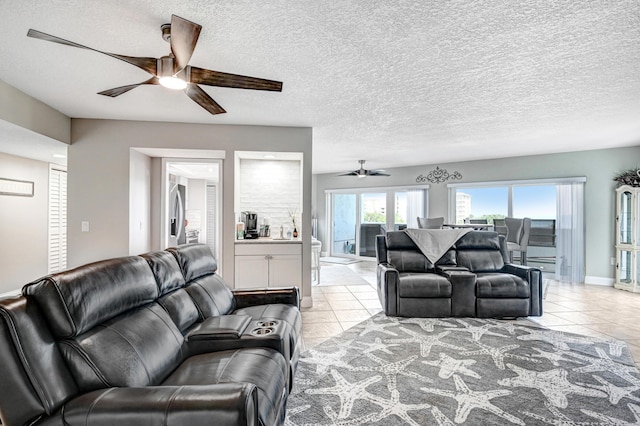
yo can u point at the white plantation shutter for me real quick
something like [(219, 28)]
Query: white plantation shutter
[(57, 220)]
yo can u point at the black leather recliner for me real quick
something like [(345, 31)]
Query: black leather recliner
[(473, 279), (110, 343)]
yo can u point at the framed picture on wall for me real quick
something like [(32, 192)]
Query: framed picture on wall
[(21, 188)]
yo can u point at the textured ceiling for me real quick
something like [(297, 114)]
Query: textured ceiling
[(401, 82)]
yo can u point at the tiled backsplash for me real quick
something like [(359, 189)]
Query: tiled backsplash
[(270, 188)]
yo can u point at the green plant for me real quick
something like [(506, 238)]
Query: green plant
[(374, 217), (628, 177)]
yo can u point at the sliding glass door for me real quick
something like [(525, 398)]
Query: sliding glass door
[(345, 220), (556, 242), (358, 216)]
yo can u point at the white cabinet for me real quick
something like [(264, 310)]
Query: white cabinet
[(627, 238), (268, 265)]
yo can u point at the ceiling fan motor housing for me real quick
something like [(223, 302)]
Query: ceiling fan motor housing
[(166, 66), (166, 32)]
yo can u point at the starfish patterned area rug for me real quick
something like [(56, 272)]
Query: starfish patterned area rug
[(447, 371)]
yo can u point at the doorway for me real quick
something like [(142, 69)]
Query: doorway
[(193, 203)]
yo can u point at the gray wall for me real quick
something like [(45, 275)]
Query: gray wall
[(99, 180), (23, 224), (598, 166), (21, 109)]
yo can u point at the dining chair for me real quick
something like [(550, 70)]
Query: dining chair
[(430, 222), (478, 221), (500, 227), (518, 231)]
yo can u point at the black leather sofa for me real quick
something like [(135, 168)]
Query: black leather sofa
[(156, 339), (472, 279)]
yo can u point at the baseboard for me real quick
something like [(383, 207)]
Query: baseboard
[(307, 302), (599, 281)]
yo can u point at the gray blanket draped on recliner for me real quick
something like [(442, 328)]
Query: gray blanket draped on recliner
[(434, 243)]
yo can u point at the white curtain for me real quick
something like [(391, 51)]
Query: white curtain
[(570, 232), (415, 206)]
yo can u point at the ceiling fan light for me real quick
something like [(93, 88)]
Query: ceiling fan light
[(174, 83)]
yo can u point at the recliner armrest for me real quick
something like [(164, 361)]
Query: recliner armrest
[(267, 296), (387, 278), (463, 291), (222, 404), (534, 277), (519, 270), (221, 327), (442, 269)]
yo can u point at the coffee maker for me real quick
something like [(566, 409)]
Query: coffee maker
[(250, 220)]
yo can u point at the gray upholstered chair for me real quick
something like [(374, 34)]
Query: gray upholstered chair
[(430, 222), (478, 221), (518, 231), (500, 227)]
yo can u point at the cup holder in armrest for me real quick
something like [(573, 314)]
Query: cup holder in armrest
[(262, 331), (269, 323)]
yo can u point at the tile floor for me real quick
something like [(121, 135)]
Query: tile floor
[(577, 308)]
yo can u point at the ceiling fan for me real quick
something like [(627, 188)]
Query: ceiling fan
[(173, 70), (362, 172)]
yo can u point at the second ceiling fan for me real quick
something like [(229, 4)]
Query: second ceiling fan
[(173, 71), (362, 172)]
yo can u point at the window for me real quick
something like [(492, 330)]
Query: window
[(358, 216), (481, 203), (556, 242)]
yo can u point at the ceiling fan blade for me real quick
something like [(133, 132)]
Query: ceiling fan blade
[(117, 91), (201, 97), (184, 36), (377, 173), (355, 173), (146, 64), (221, 79)]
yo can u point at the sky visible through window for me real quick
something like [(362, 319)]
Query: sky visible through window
[(534, 201)]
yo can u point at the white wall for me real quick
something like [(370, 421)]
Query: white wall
[(99, 181), (139, 203), (599, 167), (23, 224)]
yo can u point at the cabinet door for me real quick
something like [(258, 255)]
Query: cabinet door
[(625, 217), (285, 271), (252, 272), (624, 274)]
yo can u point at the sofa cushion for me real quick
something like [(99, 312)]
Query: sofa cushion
[(181, 308), (479, 240), (265, 368), (409, 261), (195, 260), (211, 296), (405, 256), (166, 270), (76, 300), (480, 251), (35, 378), (481, 260), (501, 285), (139, 348), (423, 285)]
